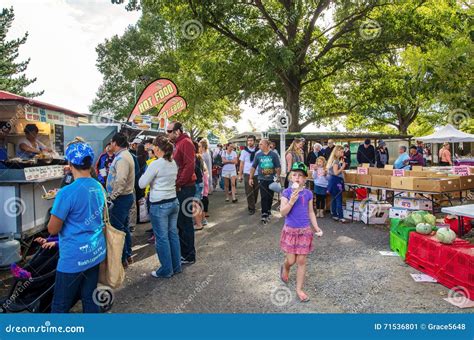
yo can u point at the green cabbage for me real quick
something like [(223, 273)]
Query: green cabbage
[(430, 219), (415, 218)]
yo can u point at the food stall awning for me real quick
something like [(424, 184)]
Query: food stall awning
[(38, 111)]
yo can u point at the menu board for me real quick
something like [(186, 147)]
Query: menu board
[(59, 139), (43, 172)]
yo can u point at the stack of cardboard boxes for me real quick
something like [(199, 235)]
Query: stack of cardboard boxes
[(402, 182)]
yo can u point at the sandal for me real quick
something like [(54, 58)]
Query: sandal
[(281, 276)]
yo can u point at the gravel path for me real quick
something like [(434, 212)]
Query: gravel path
[(238, 272)]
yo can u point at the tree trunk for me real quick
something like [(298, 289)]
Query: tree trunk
[(292, 105)]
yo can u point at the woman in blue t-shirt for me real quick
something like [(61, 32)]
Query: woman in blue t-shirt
[(77, 216)]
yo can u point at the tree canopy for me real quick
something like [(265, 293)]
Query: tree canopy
[(12, 77), (369, 64)]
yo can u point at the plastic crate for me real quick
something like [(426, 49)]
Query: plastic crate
[(451, 282), (401, 230), (398, 245), (424, 253), (428, 248), (394, 223), (458, 263), (430, 268)]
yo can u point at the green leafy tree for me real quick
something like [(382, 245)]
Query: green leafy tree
[(280, 51), (12, 77), (149, 51)]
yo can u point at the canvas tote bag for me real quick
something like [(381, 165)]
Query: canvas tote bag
[(111, 271)]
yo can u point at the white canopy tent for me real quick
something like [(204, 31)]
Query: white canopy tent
[(447, 133)]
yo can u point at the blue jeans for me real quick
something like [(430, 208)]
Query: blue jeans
[(185, 222), (164, 219), (119, 220), (336, 205), (69, 287)]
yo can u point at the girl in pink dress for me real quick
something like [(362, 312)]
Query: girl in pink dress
[(300, 225)]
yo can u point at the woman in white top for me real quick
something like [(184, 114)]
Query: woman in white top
[(164, 207), (229, 171), (30, 146)]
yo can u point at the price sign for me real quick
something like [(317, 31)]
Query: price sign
[(362, 170), (398, 172), (461, 170)]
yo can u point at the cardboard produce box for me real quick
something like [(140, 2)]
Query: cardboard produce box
[(375, 213), (350, 177), (404, 183), (398, 213), (438, 184), (412, 203), (348, 214), (375, 171), (349, 205), (364, 180), (381, 181), (380, 172), (467, 182)]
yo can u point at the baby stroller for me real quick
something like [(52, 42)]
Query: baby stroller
[(35, 294)]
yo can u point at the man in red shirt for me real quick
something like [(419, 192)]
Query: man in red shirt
[(185, 157)]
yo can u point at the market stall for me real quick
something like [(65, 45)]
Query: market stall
[(451, 135), (394, 193), (32, 166)]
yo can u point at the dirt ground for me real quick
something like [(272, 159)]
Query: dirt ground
[(237, 271)]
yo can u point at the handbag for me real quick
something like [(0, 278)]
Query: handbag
[(111, 271), (143, 215)]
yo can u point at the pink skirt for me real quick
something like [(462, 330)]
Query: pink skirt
[(297, 240)]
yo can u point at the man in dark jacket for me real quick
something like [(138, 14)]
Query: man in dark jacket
[(313, 155), (366, 153), (185, 157), (328, 150), (347, 155)]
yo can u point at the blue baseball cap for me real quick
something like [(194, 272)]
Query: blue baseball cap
[(77, 152)]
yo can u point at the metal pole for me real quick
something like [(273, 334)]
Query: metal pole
[(135, 91), (282, 152)]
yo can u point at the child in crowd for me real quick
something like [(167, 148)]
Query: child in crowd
[(320, 177), (300, 223), (335, 168)]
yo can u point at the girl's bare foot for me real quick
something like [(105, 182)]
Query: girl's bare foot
[(302, 296), (284, 274)]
